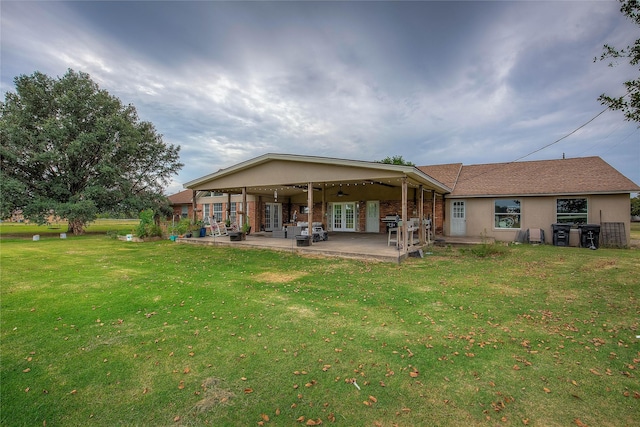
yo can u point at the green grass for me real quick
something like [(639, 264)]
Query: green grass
[(100, 226), (96, 331)]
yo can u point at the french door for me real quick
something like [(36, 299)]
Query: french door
[(272, 216), (343, 216)]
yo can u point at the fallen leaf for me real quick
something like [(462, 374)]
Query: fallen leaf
[(373, 399), (332, 417), (27, 370), (594, 372), (186, 370), (546, 390), (525, 421), (413, 374), (264, 417), (176, 419), (300, 419), (248, 390), (181, 385), (579, 423), (74, 391), (277, 411)]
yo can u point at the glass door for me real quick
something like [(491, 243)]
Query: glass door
[(344, 216), (272, 216)]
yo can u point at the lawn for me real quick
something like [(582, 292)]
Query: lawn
[(97, 331)]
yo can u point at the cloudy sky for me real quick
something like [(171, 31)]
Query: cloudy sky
[(434, 82)]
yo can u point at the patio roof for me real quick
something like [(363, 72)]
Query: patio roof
[(290, 174)]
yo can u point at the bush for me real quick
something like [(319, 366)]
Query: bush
[(147, 226)]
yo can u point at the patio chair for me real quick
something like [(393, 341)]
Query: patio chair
[(217, 229)]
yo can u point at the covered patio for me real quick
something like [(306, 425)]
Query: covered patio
[(349, 198)]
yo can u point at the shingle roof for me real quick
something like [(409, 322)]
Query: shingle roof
[(584, 175), (446, 174), (184, 197)]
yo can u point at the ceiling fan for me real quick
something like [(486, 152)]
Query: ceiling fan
[(341, 193)]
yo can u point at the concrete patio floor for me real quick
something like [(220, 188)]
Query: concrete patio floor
[(365, 246)]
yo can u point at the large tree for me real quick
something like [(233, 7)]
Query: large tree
[(629, 103), (72, 150)]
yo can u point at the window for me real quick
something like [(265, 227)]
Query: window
[(185, 211), (206, 209), (217, 211), (571, 211), (507, 213)]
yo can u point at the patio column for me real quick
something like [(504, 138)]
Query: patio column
[(228, 207), (194, 205), (245, 210), (433, 214), (324, 209), (421, 231), (405, 239), (310, 205)]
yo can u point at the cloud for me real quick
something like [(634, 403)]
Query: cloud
[(435, 82)]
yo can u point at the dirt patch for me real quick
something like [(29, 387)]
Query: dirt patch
[(214, 395), (277, 277)]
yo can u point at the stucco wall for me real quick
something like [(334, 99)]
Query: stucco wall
[(540, 212)]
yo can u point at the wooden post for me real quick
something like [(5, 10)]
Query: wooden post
[(194, 205), (310, 205), (228, 208), (405, 240), (421, 224), (245, 210), (324, 210)]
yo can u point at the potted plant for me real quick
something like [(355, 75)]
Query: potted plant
[(182, 228), (246, 227), (199, 228)]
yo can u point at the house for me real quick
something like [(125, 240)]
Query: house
[(182, 204), (495, 200)]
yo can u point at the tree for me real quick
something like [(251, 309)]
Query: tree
[(635, 206), (629, 103), (70, 149), (395, 160)]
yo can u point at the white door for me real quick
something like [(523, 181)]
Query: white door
[(458, 218), (272, 216), (373, 216), (344, 216)]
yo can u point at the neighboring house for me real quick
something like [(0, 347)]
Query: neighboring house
[(182, 204), (494, 200)]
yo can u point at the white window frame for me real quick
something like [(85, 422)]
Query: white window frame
[(511, 217)]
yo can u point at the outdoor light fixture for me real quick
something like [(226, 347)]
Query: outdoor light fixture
[(275, 194)]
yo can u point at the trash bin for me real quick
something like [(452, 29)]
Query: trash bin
[(589, 236), (303, 240), (203, 232), (561, 233)]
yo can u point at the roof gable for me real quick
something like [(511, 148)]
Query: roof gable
[(182, 198), (289, 169)]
